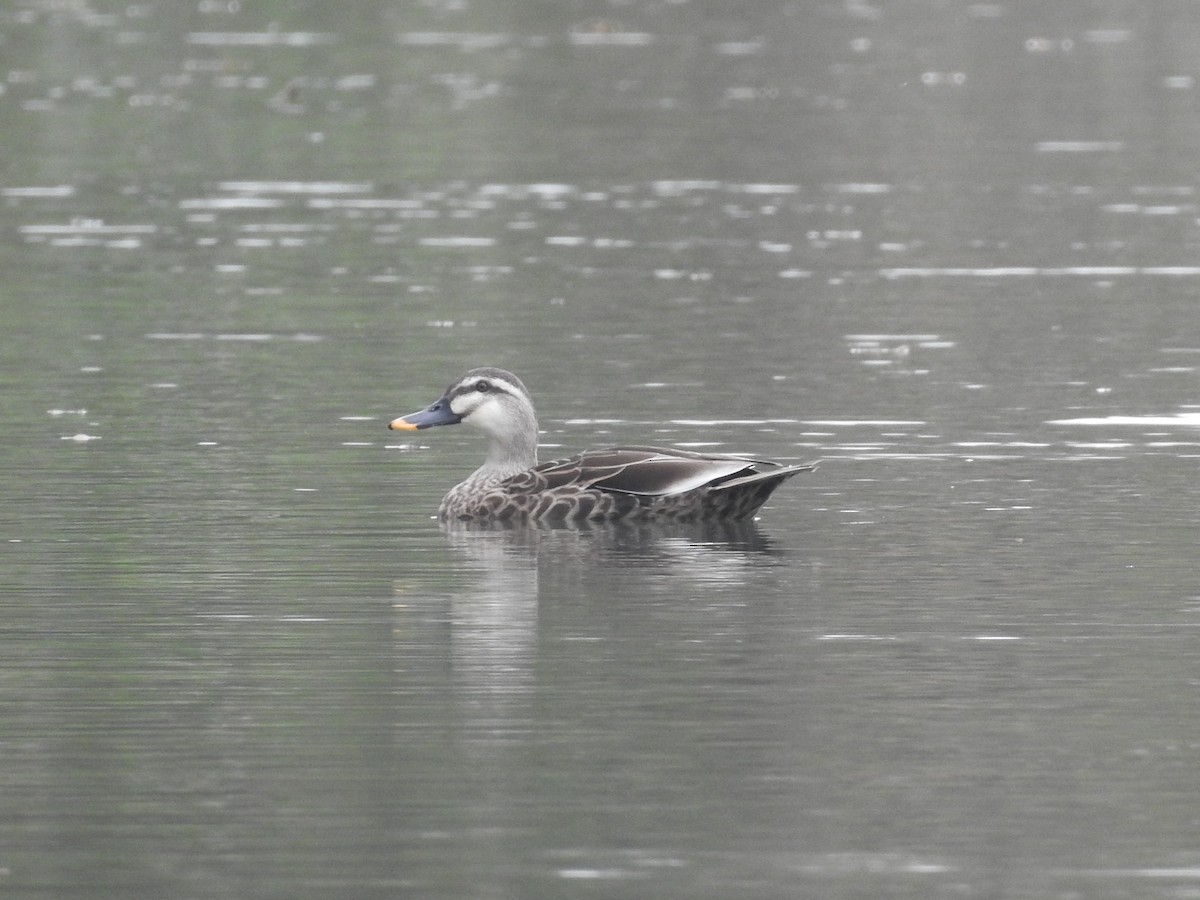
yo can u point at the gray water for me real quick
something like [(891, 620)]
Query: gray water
[(950, 250)]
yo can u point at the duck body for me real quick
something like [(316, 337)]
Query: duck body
[(622, 483), (615, 484)]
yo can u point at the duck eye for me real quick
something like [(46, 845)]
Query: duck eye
[(483, 387)]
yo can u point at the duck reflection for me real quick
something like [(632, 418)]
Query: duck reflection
[(493, 616), (543, 648), (505, 580), (509, 574)]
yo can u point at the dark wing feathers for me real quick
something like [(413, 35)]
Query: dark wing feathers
[(649, 471), (777, 471), (633, 482)]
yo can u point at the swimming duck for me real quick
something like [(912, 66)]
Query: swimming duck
[(617, 484)]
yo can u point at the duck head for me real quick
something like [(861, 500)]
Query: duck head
[(493, 400)]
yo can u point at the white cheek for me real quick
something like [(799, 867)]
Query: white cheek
[(488, 417)]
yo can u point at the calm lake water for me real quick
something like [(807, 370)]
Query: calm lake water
[(950, 250)]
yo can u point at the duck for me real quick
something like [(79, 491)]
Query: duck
[(616, 484)]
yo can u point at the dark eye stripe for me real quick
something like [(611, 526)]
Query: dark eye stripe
[(478, 384)]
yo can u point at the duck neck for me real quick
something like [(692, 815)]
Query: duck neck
[(514, 453)]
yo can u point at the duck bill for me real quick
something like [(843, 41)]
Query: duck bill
[(438, 413)]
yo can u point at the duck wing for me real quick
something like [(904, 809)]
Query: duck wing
[(650, 471)]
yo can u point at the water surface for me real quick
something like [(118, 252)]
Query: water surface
[(951, 253)]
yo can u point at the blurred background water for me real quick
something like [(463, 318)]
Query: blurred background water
[(948, 249)]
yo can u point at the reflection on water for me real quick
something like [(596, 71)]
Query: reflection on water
[(554, 224), (494, 637), (494, 618), (534, 614)]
